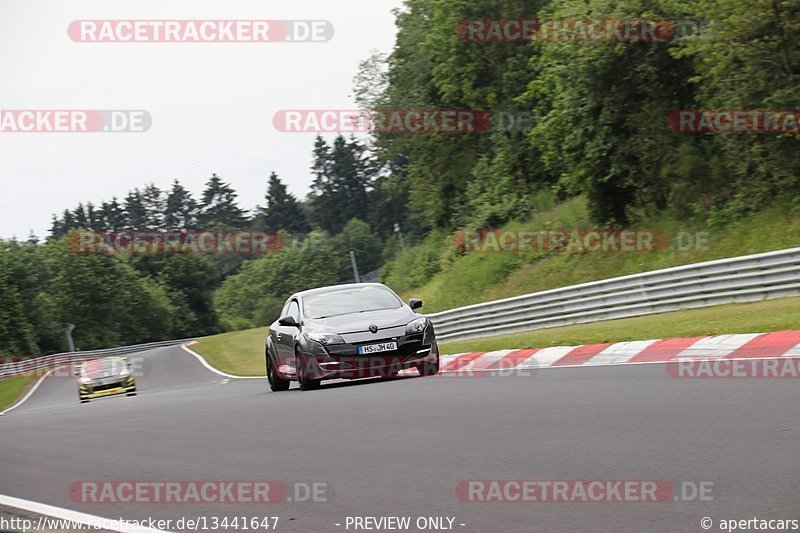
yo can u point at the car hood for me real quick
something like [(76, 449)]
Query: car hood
[(97, 374), (104, 369), (358, 322)]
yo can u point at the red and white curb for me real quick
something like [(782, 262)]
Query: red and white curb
[(781, 344)]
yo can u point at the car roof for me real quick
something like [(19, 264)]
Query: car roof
[(333, 288)]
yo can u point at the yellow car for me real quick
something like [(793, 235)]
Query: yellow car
[(105, 377)]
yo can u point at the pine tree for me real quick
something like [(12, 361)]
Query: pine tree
[(153, 207), (219, 207), (93, 217), (135, 212), (81, 220), (181, 209), (112, 216), (339, 190), (67, 221), (56, 227), (282, 210)]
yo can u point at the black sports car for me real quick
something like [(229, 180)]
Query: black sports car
[(348, 331)]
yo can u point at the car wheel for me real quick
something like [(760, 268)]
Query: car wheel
[(428, 368), (276, 384), (305, 383), (132, 393), (84, 400)]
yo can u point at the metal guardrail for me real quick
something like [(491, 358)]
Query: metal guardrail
[(737, 279), (42, 363)]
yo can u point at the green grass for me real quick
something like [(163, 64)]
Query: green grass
[(480, 277), (239, 352), (13, 388), (758, 317), (242, 352)]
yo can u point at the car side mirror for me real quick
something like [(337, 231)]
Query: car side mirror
[(413, 303), (288, 321)]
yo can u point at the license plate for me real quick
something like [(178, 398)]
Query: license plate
[(377, 348)]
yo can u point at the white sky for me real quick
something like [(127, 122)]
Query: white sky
[(212, 103)]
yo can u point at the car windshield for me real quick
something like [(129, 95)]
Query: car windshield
[(103, 367), (346, 301)]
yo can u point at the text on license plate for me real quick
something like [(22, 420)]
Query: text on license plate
[(375, 348)]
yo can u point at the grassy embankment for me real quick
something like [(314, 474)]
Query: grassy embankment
[(434, 272), (13, 388)]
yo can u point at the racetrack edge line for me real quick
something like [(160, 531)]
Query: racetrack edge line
[(75, 516), (27, 394), (211, 368)]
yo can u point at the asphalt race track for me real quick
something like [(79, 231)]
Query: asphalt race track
[(400, 447)]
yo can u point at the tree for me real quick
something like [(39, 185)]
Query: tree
[(189, 281), (282, 210), (112, 215), (81, 219), (56, 227), (339, 189), (371, 81), (154, 206), (367, 247), (17, 332), (110, 303), (218, 206), (93, 217), (181, 210), (603, 134), (746, 57), (254, 296), (135, 211)]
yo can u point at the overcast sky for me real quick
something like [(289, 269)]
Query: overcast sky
[(212, 103)]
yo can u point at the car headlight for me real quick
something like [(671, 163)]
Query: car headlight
[(124, 372), (324, 338), (84, 380), (417, 325)]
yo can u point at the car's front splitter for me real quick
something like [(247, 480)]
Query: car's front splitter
[(123, 387)]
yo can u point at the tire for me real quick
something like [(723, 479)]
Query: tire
[(276, 384), (305, 383), (84, 401), (429, 369), (132, 393)]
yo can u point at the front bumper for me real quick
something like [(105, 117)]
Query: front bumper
[(106, 388), (342, 361)]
